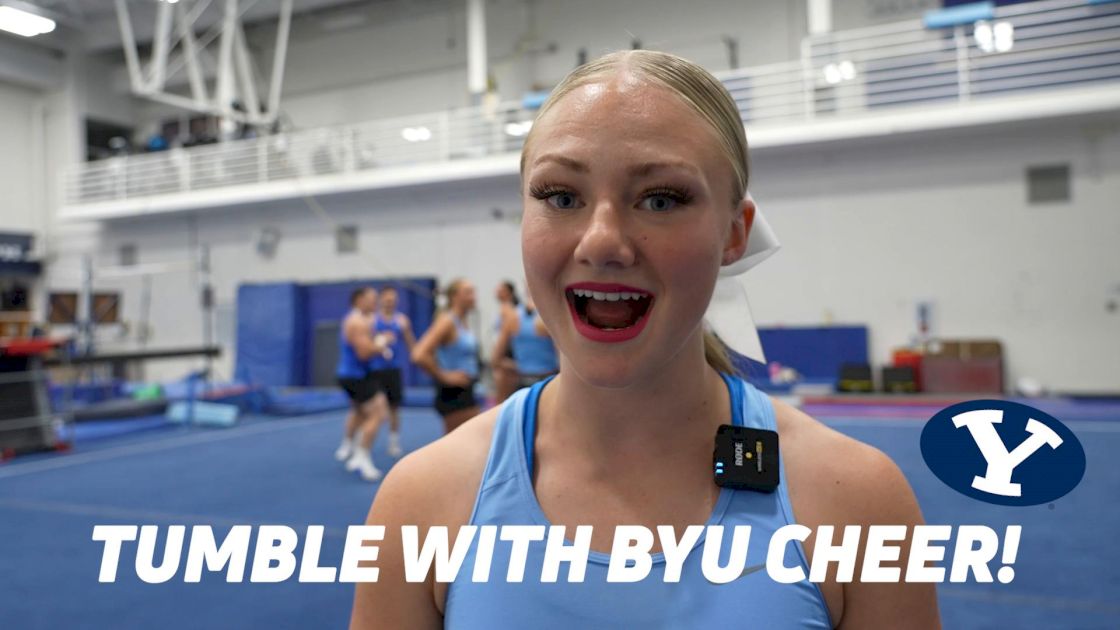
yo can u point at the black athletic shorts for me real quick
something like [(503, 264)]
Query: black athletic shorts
[(389, 381), (360, 390), (452, 399)]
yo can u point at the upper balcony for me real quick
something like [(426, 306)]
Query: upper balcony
[(965, 67)]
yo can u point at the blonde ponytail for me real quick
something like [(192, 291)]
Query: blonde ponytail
[(715, 353)]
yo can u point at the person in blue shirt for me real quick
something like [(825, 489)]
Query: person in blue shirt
[(503, 367), (634, 182), (357, 343), (386, 367), (524, 335), (449, 352)]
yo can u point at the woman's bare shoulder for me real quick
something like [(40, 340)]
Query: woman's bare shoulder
[(437, 484), (838, 479)]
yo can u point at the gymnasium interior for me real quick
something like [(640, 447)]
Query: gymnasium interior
[(191, 190)]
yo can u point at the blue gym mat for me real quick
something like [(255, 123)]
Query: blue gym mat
[(281, 471), (80, 432)]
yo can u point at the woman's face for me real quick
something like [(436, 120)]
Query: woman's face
[(464, 296), (502, 293), (627, 219)]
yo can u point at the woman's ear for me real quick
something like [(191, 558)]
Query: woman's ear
[(736, 244)]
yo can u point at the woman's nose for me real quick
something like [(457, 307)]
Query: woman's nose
[(606, 241)]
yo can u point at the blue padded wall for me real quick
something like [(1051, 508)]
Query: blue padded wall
[(816, 352), (330, 301), (276, 325), (270, 334)]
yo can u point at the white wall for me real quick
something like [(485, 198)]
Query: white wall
[(32, 66), (444, 231), (859, 13), (415, 61), (41, 132), (409, 57), (17, 195), (867, 231), (767, 30), (870, 231), (105, 99)]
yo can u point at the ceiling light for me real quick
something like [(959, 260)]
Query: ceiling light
[(1004, 34), (518, 129), (416, 134), (998, 37), (836, 72), (24, 23), (832, 74)]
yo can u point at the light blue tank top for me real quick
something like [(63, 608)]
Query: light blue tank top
[(535, 354), (349, 365), (378, 361), (520, 308), (461, 354), (506, 497)]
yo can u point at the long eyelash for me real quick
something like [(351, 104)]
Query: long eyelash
[(679, 195), (544, 191)]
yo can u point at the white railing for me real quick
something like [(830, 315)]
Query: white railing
[(1056, 43), (420, 138)]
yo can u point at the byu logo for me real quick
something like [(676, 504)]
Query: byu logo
[(1001, 463), (1003, 452)]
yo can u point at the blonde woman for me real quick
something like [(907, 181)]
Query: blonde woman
[(634, 181), (524, 335), (449, 352)]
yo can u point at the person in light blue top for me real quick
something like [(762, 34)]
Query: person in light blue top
[(524, 334), (503, 367), (634, 191), (694, 602), (449, 352)]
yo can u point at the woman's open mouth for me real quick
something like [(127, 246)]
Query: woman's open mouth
[(608, 312)]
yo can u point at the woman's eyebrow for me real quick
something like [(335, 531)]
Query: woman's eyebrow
[(562, 160), (638, 170), (647, 168)]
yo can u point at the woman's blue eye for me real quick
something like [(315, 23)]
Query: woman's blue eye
[(563, 200), (659, 203)]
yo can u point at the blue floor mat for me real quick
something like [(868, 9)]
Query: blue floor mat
[(100, 429), (281, 471)]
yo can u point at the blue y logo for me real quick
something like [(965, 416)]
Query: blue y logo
[(966, 447)]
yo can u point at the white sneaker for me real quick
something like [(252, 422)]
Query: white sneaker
[(361, 462), (395, 445), (345, 450)]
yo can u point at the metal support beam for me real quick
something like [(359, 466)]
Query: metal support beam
[(160, 47), (477, 83), (245, 76), (224, 93), (820, 16), (279, 57), (132, 59), (237, 77), (190, 53)]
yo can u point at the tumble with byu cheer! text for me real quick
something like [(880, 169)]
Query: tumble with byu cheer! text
[(995, 451), (274, 557)]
